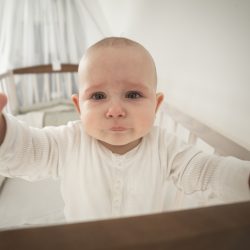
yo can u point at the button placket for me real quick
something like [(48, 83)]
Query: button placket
[(118, 188), (117, 196)]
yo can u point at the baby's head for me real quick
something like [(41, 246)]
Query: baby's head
[(117, 98)]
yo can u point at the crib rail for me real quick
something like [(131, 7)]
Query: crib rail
[(45, 84), (197, 132), (217, 227), (48, 68)]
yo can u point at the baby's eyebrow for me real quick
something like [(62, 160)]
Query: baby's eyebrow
[(137, 86), (91, 89)]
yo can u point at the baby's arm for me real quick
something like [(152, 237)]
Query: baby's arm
[(192, 170), (226, 177), (3, 101), (27, 152)]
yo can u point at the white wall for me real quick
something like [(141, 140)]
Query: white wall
[(201, 48)]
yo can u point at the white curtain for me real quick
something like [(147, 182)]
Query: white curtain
[(34, 32), (46, 31)]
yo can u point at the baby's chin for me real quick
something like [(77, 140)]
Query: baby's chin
[(126, 144), (116, 142)]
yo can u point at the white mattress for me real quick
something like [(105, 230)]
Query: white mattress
[(24, 203)]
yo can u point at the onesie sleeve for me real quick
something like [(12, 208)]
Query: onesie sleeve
[(30, 153), (226, 178)]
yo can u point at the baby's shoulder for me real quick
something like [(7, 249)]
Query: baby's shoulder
[(159, 133), (163, 138)]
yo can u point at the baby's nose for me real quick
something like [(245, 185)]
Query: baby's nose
[(115, 111)]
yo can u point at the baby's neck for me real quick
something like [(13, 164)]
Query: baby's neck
[(121, 149)]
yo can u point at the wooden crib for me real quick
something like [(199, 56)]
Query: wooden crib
[(219, 227)]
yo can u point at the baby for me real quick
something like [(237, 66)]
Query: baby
[(114, 162)]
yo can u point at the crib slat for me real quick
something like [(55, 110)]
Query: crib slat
[(58, 86), (35, 88), (9, 88), (69, 85), (192, 138), (47, 94)]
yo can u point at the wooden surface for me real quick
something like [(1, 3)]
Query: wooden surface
[(39, 69), (211, 228)]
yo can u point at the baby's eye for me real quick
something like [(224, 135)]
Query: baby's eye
[(98, 96), (133, 94)]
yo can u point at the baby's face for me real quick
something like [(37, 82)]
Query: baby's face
[(117, 98)]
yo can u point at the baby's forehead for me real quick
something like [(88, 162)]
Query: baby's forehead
[(116, 42), (123, 50), (99, 56)]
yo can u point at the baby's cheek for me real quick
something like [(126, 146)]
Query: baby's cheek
[(89, 125), (148, 116), (146, 122), (92, 120), (86, 119)]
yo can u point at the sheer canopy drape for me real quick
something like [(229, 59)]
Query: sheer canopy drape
[(46, 31), (34, 32)]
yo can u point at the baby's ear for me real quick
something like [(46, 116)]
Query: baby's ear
[(75, 100), (159, 100)]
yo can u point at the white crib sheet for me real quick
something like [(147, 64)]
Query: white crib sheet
[(24, 203)]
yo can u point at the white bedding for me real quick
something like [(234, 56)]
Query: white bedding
[(2, 179), (23, 203)]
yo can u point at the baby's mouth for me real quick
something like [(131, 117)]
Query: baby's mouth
[(118, 129)]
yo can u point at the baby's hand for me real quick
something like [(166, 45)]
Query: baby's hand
[(3, 101)]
